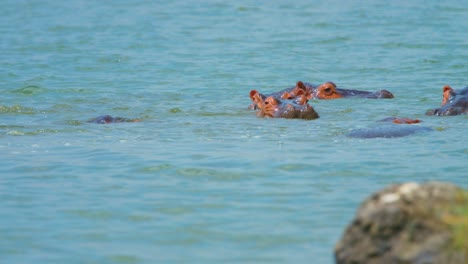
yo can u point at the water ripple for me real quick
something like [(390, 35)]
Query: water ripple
[(17, 109), (30, 90)]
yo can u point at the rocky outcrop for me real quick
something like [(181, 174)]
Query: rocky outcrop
[(409, 223)]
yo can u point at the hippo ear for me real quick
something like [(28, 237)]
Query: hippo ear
[(300, 92), (254, 95), (301, 85), (446, 94), (302, 99), (447, 88), (256, 98), (307, 90)]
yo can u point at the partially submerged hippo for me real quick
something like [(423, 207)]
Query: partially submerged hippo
[(326, 90), (400, 120), (329, 90), (289, 93), (107, 119), (272, 106), (301, 88), (390, 131), (453, 102)]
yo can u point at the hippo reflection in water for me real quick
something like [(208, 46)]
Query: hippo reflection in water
[(283, 108), (107, 119), (453, 102)]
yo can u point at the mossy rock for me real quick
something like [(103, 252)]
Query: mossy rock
[(409, 223)]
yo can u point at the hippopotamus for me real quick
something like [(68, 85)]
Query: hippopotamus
[(301, 88), (107, 119), (390, 131), (329, 90), (289, 93), (453, 102), (272, 106), (400, 120)]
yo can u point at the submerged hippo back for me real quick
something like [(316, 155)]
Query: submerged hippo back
[(387, 131), (107, 119), (382, 94)]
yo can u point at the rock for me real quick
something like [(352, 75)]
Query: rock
[(409, 223)]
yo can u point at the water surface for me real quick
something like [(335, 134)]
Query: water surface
[(201, 178)]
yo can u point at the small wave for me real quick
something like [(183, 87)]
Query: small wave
[(124, 259), (30, 90), (15, 132), (157, 168), (17, 109), (334, 40), (210, 173), (296, 167), (91, 214)]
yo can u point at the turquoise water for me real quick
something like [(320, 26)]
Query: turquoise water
[(201, 179)]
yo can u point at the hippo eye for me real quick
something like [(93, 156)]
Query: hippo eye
[(328, 90)]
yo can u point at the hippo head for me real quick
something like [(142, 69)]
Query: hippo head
[(458, 107), (400, 120), (327, 91), (300, 89), (280, 108), (449, 95), (383, 94), (453, 102), (104, 119), (107, 119)]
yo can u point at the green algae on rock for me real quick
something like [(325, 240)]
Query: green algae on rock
[(409, 223)]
